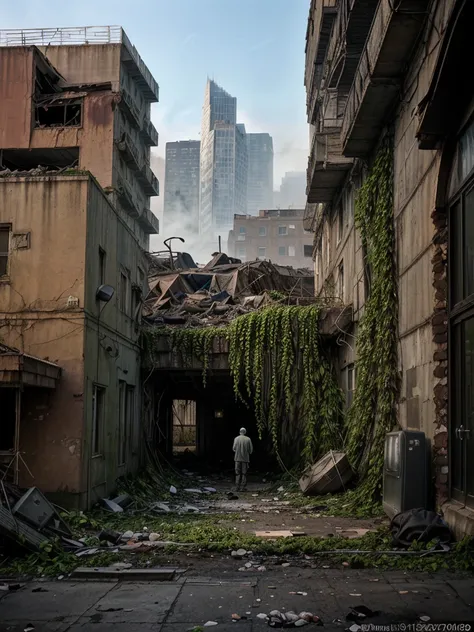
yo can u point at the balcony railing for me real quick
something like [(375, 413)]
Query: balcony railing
[(149, 181), (327, 168), (149, 132), (126, 197), (129, 151), (130, 108)]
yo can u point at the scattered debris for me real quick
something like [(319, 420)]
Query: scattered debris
[(425, 618), (173, 490), (239, 554), (210, 624), (327, 476), (419, 525), (110, 505)]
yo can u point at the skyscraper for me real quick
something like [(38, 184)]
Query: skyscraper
[(181, 200), (223, 172), (260, 173)]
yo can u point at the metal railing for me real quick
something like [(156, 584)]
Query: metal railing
[(63, 36)]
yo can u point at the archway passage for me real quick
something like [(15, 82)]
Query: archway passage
[(195, 424)]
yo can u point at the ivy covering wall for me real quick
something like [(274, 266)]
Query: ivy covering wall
[(281, 369), (373, 412)]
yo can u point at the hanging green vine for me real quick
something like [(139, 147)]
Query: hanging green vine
[(373, 412), (280, 367)]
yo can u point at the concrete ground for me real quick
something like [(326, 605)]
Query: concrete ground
[(400, 597)]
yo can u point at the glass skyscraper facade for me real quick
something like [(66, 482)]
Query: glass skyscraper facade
[(181, 200), (260, 173), (223, 172)]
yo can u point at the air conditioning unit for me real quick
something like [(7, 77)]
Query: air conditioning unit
[(405, 477)]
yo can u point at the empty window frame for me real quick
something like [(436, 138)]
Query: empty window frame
[(262, 231), (98, 398), (184, 425), (4, 248), (308, 250), (262, 252), (54, 112)]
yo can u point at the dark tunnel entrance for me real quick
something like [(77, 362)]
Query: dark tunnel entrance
[(197, 424)]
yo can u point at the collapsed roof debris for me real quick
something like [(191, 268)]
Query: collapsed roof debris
[(218, 292)]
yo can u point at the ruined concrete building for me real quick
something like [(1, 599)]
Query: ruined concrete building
[(378, 71), (75, 187)]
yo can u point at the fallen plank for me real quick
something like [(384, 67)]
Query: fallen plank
[(161, 574), (17, 530)]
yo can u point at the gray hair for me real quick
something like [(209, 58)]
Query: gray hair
[(243, 431)]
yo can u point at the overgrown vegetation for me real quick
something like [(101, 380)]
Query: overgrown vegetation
[(373, 412), (280, 368), (216, 534)]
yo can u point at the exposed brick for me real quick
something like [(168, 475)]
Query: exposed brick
[(440, 318), (441, 440), (440, 356), (440, 338), (441, 460), (440, 283), (440, 371), (439, 329)]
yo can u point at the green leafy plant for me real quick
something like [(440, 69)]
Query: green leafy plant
[(373, 411), (281, 368)]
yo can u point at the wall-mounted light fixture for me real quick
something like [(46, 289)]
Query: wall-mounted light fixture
[(218, 414)]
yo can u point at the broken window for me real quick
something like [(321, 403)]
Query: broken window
[(7, 427), (184, 425), (4, 248), (56, 112), (98, 396)]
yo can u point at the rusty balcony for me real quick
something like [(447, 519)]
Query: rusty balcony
[(378, 79), (130, 152), (327, 168)]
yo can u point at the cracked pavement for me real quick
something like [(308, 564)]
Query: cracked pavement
[(179, 606)]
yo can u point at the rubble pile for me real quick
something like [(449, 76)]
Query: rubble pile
[(181, 293)]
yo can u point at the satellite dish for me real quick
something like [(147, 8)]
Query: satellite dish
[(104, 293)]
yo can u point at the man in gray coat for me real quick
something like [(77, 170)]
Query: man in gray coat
[(243, 448)]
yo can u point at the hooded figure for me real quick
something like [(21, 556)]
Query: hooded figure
[(243, 448)]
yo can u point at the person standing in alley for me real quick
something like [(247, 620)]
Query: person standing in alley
[(243, 448)]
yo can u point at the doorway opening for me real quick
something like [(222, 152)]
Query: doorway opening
[(184, 426), (7, 427)]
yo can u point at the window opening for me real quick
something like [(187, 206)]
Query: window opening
[(4, 249), (184, 426), (56, 112), (97, 418), (7, 427)]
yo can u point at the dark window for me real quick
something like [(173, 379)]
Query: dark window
[(98, 394), (102, 264), (308, 250), (59, 113), (4, 249), (282, 251), (283, 230), (7, 427), (126, 419), (340, 282)]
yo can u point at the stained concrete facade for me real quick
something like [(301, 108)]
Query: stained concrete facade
[(276, 235), (386, 88), (80, 221)]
